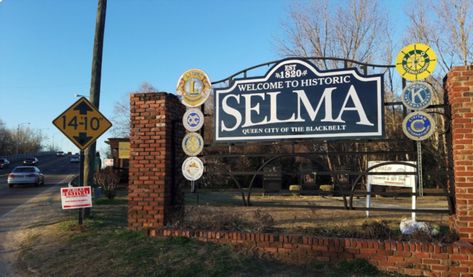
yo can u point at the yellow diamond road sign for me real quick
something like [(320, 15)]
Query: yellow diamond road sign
[(82, 123)]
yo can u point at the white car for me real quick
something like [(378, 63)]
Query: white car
[(74, 159), (25, 175), (60, 154)]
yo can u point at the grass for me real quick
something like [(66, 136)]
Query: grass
[(103, 246)]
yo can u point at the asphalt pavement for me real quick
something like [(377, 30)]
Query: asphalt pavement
[(26, 206)]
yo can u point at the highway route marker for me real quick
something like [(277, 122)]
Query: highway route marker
[(82, 123)]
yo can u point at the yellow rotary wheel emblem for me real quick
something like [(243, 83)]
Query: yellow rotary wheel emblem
[(416, 61)]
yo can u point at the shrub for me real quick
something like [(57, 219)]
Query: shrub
[(263, 221), (108, 180), (376, 230)]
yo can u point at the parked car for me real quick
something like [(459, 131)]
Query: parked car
[(60, 154), (30, 161), (74, 158), (25, 175), (4, 163)]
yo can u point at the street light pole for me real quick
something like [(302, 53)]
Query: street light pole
[(18, 136)]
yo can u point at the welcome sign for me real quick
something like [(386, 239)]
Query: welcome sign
[(296, 100)]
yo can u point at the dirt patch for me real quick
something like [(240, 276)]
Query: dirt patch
[(305, 214)]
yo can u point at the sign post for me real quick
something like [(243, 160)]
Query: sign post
[(416, 62), (400, 180), (82, 124)]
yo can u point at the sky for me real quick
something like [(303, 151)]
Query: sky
[(46, 50)]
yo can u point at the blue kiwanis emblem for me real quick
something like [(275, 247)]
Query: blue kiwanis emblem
[(418, 126), (193, 119), (417, 96)]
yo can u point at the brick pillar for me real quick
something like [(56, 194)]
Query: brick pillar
[(156, 132), (459, 87)]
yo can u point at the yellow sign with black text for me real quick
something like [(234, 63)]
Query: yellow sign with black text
[(82, 123), (124, 150)]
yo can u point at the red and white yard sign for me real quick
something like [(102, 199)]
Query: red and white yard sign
[(76, 197)]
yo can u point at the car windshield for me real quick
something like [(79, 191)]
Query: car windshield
[(23, 169)]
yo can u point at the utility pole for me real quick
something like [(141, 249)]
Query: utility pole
[(89, 165)]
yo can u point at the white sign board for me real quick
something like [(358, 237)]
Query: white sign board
[(76, 197), (405, 181)]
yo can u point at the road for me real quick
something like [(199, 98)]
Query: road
[(25, 206)]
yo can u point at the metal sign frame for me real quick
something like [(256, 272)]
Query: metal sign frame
[(283, 77)]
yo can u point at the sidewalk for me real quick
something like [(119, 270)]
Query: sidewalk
[(16, 225)]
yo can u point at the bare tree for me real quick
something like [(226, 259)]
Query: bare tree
[(26, 139), (121, 112), (445, 25), (356, 31)]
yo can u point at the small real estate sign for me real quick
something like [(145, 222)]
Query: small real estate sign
[(296, 100), (76, 197)]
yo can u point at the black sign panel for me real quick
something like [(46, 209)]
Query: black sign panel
[(296, 100)]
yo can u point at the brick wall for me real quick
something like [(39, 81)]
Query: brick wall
[(153, 168), (459, 86), (410, 258)]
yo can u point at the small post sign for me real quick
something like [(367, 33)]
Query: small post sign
[(76, 197), (82, 123), (124, 150)]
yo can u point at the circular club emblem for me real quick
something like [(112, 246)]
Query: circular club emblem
[(192, 168), (193, 120), (192, 144), (193, 87), (417, 96), (416, 61), (418, 126)]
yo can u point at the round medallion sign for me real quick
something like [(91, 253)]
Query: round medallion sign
[(193, 120), (192, 168), (417, 96), (193, 87), (418, 126), (192, 144), (416, 61)]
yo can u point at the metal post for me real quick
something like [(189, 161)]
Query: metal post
[(419, 169), (81, 183)]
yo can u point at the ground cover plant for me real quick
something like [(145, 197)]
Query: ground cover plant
[(103, 246)]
